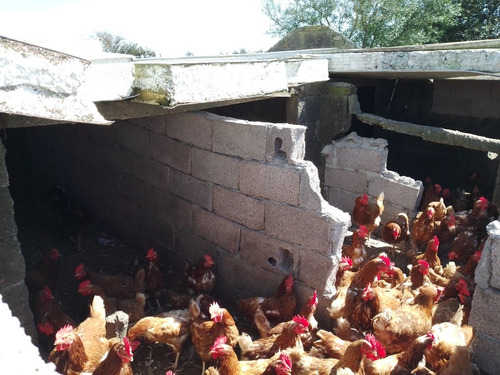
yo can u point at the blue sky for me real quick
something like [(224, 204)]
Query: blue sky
[(171, 28)]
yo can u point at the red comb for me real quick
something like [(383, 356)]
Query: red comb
[(151, 254), (299, 319)]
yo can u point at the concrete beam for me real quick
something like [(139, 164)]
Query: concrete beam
[(45, 84)]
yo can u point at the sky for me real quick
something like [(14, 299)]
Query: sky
[(170, 28)]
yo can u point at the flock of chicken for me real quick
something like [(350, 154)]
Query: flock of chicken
[(386, 319)]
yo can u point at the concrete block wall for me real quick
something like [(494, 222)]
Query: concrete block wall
[(356, 165), (486, 304), (475, 98), (13, 291), (195, 183)]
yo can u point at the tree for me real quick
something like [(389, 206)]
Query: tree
[(368, 23), (118, 44), (477, 20)]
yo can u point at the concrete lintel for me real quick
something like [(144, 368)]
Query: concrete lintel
[(193, 81), (416, 64), (38, 82)]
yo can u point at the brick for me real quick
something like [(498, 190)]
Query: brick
[(358, 153), (451, 105), (8, 228), (154, 123), (134, 138), (191, 189), (492, 251), (238, 207), (285, 141), (274, 182), (485, 353), (348, 180), (267, 252), (219, 231), (401, 191), (12, 266), (194, 128), (317, 270), (298, 226), (170, 152), (173, 209), (484, 313), (219, 169), (240, 138), (152, 172)]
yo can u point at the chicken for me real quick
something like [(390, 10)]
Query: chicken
[(228, 363), (204, 333), (170, 328), (364, 310), (344, 273), (449, 337), (343, 302), (431, 193), (154, 282), (440, 209), (356, 250), (201, 277), (447, 229), (304, 364), (395, 329), (404, 362), (430, 255), (423, 227), (68, 354), (117, 362), (368, 214), (71, 218), (396, 230), (463, 246), (89, 339), (289, 337), (134, 307), (115, 286), (45, 273), (278, 307), (329, 345), (357, 352), (48, 313)]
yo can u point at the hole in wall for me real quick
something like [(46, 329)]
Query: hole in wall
[(283, 260), (278, 152)]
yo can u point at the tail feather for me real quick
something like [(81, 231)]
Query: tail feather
[(245, 342), (97, 309)]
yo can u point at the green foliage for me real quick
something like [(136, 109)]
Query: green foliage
[(381, 23), (118, 44), (477, 20)]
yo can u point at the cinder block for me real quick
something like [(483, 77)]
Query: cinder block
[(194, 128), (173, 209), (442, 87), (17, 297), (317, 271), (238, 207), (12, 267), (343, 200), (299, 226), (219, 231), (484, 107), (103, 135), (193, 247), (470, 88), (191, 189), (117, 158), (486, 353), (268, 252), (240, 138), (152, 172), (154, 123), (275, 182), (219, 169), (451, 105), (492, 248), (170, 152), (106, 177), (4, 175), (137, 191), (401, 191), (348, 180), (309, 190), (285, 142), (484, 313), (8, 228), (134, 138), (358, 153)]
